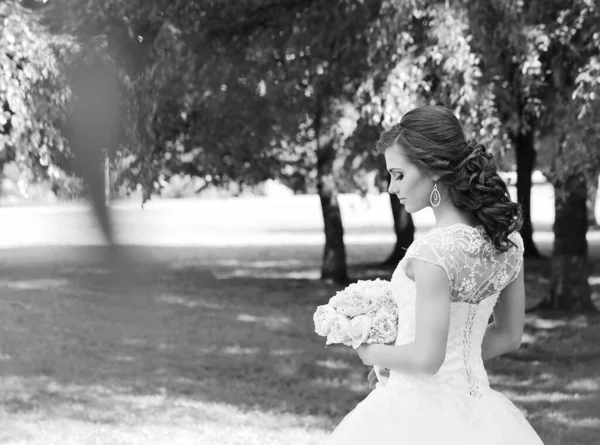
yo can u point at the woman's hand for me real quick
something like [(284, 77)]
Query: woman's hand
[(365, 352), (372, 377)]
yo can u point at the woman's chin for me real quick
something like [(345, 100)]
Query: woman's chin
[(411, 209)]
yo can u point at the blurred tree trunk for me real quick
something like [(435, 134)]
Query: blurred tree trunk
[(570, 289), (525, 154), (404, 229), (334, 254), (92, 123), (106, 177)]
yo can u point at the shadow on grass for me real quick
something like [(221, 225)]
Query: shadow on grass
[(109, 344), (70, 319)]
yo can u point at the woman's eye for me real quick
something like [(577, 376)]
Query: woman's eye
[(399, 177)]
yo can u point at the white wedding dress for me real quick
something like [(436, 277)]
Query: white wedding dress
[(456, 405)]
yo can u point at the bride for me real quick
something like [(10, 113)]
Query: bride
[(468, 267)]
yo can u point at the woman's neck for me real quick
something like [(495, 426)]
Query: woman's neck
[(446, 215)]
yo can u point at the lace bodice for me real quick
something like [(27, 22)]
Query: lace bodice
[(477, 273), (474, 268)]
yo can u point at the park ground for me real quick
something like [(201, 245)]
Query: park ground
[(205, 336)]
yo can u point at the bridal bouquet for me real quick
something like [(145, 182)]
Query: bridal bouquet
[(364, 312)]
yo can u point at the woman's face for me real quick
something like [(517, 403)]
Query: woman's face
[(412, 186)]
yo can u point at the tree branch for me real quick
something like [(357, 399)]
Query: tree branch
[(264, 16)]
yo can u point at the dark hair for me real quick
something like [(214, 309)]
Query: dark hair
[(433, 139)]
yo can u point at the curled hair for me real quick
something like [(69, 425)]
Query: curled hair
[(433, 139)]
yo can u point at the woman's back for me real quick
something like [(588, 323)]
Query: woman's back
[(477, 274)]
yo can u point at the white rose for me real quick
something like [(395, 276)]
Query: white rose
[(385, 327), (360, 308), (340, 329), (323, 319), (360, 327)]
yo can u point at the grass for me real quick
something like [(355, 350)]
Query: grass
[(216, 346), (211, 341)]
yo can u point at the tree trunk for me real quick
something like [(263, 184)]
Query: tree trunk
[(525, 154), (570, 288), (334, 255), (592, 193), (404, 229)]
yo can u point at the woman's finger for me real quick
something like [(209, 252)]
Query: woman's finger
[(371, 375)]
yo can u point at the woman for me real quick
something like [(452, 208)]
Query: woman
[(447, 286)]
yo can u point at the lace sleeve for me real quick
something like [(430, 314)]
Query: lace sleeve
[(475, 269), (429, 251), (515, 256)]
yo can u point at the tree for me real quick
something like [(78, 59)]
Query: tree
[(233, 92), (433, 63), (548, 52), (215, 87), (314, 56), (559, 50), (507, 41), (592, 178), (34, 94), (47, 130), (573, 54), (360, 159)]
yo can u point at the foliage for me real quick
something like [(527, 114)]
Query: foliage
[(576, 80), (225, 91), (246, 91), (542, 60), (431, 62), (34, 94)]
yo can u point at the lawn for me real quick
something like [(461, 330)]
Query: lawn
[(213, 344)]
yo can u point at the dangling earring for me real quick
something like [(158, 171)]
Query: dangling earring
[(435, 199)]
